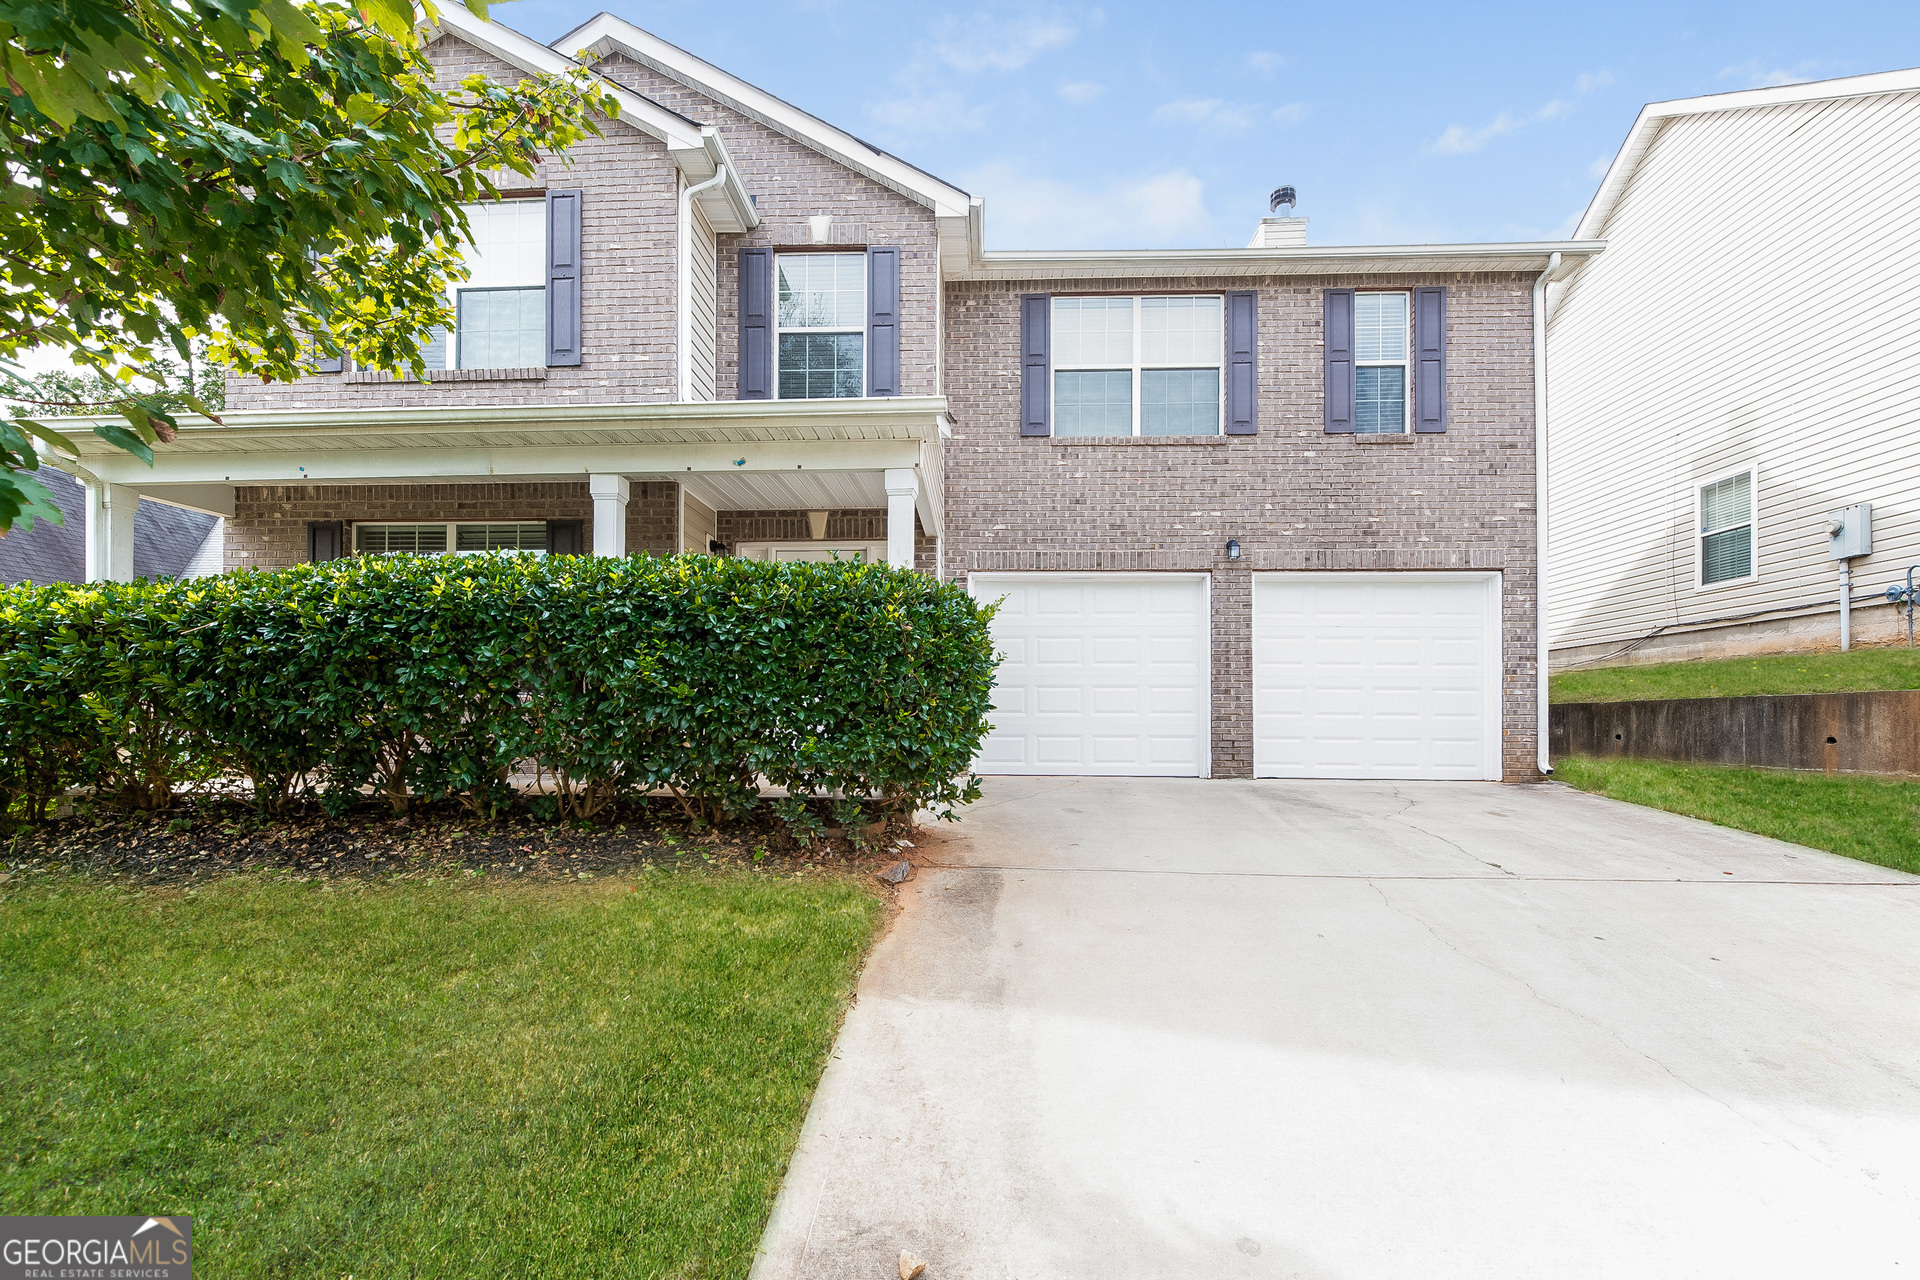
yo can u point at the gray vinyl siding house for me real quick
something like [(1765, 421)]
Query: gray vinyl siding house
[(1259, 512)]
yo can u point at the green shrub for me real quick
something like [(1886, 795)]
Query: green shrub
[(433, 677)]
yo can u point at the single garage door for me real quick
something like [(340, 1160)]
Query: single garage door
[(1376, 675), (1100, 674)]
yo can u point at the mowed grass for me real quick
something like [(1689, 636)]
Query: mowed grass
[(1856, 672), (1873, 819), (399, 1079)]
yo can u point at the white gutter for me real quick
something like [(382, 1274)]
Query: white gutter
[(1542, 711), (685, 271)]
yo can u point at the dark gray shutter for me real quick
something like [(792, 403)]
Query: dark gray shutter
[(883, 321), (1339, 333), (1243, 349), (323, 540), (563, 278), (1430, 353), (1036, 318), (563, 537), (756, 324)]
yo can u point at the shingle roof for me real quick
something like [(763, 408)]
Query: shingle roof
[(165, 538)]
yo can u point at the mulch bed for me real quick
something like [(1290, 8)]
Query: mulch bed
[(203, 838)]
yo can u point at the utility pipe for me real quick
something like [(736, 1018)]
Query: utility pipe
[(1846, 605), (1542, 712)]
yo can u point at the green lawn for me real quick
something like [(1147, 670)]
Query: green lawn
[(1873, 819), (1856, 672), (424, 1079)]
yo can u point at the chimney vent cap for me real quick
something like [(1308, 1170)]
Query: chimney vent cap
[(1282, 196)]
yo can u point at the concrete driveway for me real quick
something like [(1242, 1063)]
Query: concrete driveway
[(1214, 1029)]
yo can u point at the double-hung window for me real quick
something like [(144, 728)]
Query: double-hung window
[(1137, 366), (501, 308), (821, 303), (1380, 347), (438, 538), (1726, 529)]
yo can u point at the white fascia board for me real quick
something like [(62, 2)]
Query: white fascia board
[(604, 35), (292, 465), (1654, 116), (804, 423), (1093, 264)]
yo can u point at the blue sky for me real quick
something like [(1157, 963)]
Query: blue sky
[(1124, 125)]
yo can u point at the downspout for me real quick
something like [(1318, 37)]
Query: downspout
[(686, 276), (1543, 711)]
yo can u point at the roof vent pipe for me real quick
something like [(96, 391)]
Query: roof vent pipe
[(1281, 230)]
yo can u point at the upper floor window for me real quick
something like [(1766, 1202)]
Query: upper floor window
[(821, 301), (1380, 348), (1726, 529), (1136, 366), (501, 308)]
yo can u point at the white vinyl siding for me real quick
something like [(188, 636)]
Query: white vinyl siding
[(1802, 309), (705, 316), (1146, 366), (697, 524)]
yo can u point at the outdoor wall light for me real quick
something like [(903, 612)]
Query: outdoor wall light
[(1233, 548)]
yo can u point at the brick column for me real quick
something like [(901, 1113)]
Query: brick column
[(1232, 593)]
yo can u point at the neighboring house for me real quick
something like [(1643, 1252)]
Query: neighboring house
[(168, 541), (1740, 362), (1254, 511)]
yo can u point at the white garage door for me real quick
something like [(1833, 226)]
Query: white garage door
[(1100, 673), (1376, 675)]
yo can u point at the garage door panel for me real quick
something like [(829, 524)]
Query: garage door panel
[(1118, 679), (1378, 675)]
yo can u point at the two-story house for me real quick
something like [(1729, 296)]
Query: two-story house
[(1268, 511)]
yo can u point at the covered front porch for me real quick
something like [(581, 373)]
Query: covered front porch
[(777, 480)]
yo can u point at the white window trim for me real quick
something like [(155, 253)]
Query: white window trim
[(876, 552), (1404, 364), (1220, 411), (1752, 471), (861, 329), (453, 535)]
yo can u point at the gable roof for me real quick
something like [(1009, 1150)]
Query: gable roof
[(605, 34), (1655, 115), (695, 148)]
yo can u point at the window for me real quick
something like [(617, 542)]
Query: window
[(501, 309), (821, 300), (1136, 366), (436, 539), (1726, 529), (1380, 348)]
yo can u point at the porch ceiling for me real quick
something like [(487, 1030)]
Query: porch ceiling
[(783, 490)]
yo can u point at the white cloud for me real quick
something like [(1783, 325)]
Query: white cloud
[(1291, 113), (1459, 139), (929, 110), (1755, 74), (1206, 113), (1264, 63), (988, 41), (1029, 212), (1598, 169), (1081, 91)]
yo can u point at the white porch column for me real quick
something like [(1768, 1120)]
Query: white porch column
[(609, 514), (903, 487), (110, 512)]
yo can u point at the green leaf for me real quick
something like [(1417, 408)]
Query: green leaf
[(46, 433), (115, 434)]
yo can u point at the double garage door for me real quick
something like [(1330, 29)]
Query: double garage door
[(1353, 675)]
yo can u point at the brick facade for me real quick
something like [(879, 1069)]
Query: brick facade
[(1293, 496)]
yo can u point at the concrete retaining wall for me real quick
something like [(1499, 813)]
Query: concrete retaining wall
[(1834, 732)]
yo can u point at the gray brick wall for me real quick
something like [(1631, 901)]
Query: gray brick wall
[(792, 183), (1294, 497), (269, 525), (629, 351)]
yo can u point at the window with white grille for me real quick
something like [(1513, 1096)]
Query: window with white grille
[(1726, 529), (821, 302), (501, 308), (1137, 366), (1380, 349)]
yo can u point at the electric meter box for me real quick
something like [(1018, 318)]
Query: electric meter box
[(1854, 537)]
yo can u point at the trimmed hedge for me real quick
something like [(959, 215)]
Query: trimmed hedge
[(432, 677)]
